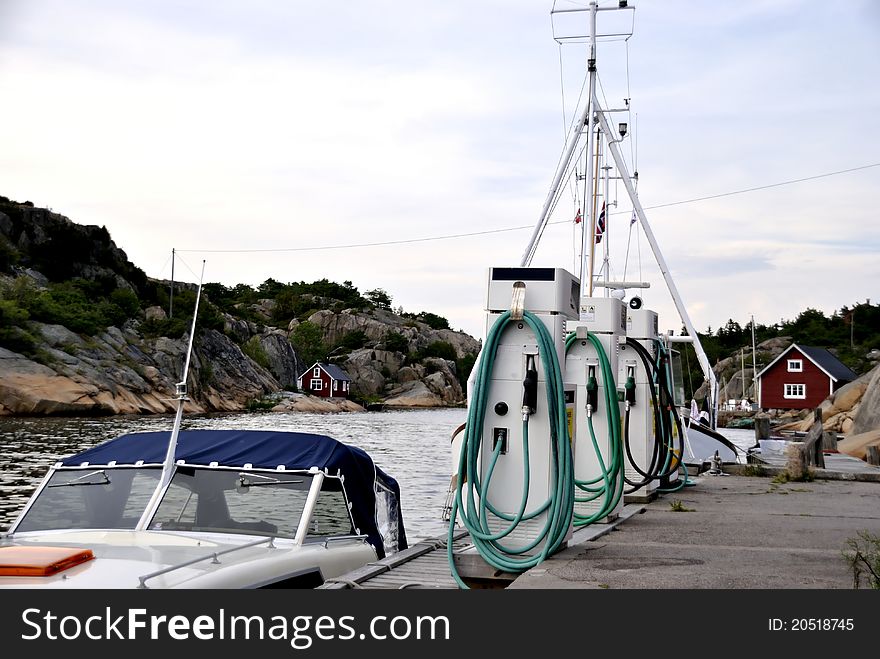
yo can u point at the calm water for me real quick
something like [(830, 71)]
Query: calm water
[(412, 446)]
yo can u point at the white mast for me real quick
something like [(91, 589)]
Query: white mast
[(754, 358), (168, 463), (588, 237)]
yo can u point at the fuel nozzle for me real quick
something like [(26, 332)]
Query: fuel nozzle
[(629, 387), (530, 388), (592, 391)]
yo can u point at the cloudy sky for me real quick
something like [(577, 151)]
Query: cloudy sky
[(265, 125)]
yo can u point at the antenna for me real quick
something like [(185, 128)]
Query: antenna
[(171, 291), (181, 398)]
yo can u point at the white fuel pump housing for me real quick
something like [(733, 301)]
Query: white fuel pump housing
[(641, 326), (604, 317), (551, 295)]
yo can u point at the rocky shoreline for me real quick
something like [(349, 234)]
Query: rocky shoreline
[(120, 372)]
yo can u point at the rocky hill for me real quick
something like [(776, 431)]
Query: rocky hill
[(85, 331)]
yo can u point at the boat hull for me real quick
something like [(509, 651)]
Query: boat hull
[(702, 442)]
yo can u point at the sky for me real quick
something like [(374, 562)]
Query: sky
[(268, 137)]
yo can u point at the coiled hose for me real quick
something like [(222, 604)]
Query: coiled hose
[(609, 484), (664, 462), (471, 499), (670, 415)]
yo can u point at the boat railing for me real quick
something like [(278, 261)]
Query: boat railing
[(214, 556), (340, 538)]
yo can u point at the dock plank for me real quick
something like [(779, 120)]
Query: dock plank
[(426, 565)]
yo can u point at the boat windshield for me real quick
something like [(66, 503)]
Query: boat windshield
[(92, 498), (249, 502)]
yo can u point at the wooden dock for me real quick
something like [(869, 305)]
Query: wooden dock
[(426, 565), (837, 465)]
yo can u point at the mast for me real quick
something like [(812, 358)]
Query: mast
[(171, 292), (587, 277), (606, 237), (754, 359), (593, 218), (181, 398)]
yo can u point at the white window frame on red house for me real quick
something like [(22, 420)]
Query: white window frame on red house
[(316, 385), (316, 372), (335, 385), (795, 365), (794, 391)]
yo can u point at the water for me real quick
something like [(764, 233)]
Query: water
[(742, 438), (412, 446)]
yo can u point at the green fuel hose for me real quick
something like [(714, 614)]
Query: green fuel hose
[(471, 501), (610, 484)]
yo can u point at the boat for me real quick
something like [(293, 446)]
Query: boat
[(243, 509), (204, 509), (573, 403), (703, 443)]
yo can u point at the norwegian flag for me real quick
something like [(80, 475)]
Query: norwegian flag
[(578, 218), (600, 225)]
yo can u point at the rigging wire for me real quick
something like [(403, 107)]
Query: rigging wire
[(179, 258), (525, 226), (165, 265)]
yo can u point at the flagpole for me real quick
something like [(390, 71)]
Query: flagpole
[(593, 206), (754, 358), (607, 212)]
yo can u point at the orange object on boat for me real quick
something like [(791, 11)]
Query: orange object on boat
[(40, 561)]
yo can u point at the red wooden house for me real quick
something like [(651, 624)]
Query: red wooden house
[(801, 378), (325, 380)]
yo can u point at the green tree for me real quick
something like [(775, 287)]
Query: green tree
[(8, 254), (308, 340), (395, 342), (254, 349), (127, 300), (441, 349), (433, 320), (11, 315), (379, 298), (354, 340)]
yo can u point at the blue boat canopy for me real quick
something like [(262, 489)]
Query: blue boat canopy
[(373, 494)]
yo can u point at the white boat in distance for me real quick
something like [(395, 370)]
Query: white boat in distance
[(243, 509)]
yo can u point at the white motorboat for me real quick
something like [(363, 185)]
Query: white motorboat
[(242, 509), (204, 509)]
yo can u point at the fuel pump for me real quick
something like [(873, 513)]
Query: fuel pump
[(514, 471), (646, 457), (591, 363)]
